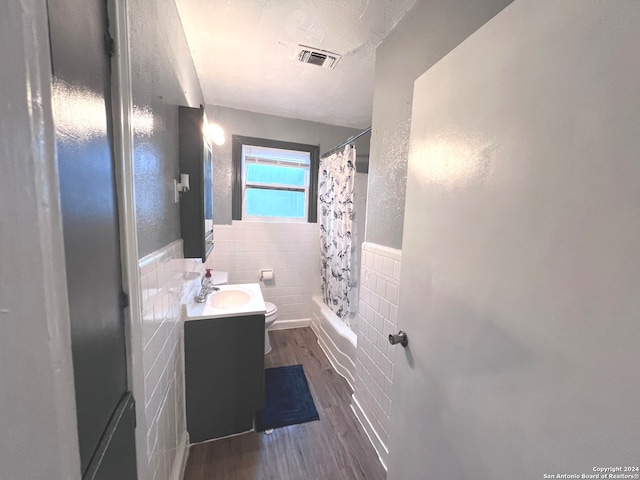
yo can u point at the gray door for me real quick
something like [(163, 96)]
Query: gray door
[(81, 70), (520, 263)]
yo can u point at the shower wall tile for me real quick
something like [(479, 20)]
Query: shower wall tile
[(292, 250), (377, 318), (163, 358)]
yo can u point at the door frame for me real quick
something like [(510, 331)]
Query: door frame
[(122, 108)]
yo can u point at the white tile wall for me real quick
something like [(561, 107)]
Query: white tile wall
[(377, 318), (163, 359), (292, 250)]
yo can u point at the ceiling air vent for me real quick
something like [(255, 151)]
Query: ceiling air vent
[(318, 57)]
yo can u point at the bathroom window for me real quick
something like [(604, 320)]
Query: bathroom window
[(274, 181)]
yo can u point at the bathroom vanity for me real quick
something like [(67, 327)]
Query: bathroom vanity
[(224, 362)]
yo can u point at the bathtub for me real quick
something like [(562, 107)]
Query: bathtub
[(336, 339)]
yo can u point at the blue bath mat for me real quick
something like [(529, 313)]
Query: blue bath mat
[(288, 400)]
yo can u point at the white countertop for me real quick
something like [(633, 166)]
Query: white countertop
[(255, 305)]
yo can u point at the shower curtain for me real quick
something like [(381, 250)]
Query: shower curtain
[(336, 216)]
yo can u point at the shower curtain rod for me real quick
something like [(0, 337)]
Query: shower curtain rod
[(350, 140)]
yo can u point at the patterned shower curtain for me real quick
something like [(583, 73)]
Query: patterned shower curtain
[(336, 216)]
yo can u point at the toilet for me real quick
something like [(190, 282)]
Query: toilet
[(269, 317)]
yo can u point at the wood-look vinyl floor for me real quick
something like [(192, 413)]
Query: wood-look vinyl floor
[(333, 448)]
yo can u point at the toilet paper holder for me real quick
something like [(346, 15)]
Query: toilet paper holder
[(266, 274)]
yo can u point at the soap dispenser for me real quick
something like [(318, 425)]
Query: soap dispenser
[(206, 280)]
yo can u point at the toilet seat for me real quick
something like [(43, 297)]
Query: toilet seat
[(271, 309)]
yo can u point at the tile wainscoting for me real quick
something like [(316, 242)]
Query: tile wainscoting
[(163, 361), (292, 250), (377, 317)]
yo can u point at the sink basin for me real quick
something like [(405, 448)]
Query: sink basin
[(229, 299)]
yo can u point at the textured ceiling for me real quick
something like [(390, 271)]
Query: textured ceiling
[(245, 54)]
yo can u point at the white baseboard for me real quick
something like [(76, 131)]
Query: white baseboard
[(287, 324), (182, 454), (376, 441)]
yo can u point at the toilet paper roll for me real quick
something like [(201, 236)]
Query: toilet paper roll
[(266, 275)]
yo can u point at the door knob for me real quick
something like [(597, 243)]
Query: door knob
[(400, 337)]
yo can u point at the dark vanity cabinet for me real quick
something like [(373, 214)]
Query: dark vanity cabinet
[(196, 204), (224, 375)]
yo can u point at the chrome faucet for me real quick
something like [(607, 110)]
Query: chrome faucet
[(205, 291), (206, 288)]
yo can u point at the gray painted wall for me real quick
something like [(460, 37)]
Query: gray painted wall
[(362, 145), (163, 77), (38, 432), (241, 122), (425, 35)]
